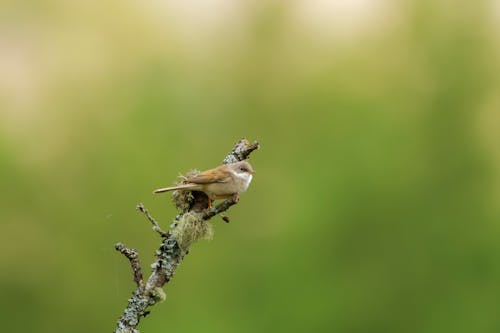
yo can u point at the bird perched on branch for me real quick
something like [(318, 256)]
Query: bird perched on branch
[(224, 181)]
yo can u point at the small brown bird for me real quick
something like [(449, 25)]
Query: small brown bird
[(224, 181)]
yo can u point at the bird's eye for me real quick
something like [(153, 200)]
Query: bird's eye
[(242, 169)]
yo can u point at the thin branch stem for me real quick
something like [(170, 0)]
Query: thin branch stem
[(220, 208), (133, 257), (156, 226)]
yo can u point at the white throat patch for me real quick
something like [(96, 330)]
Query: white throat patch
[(246, 177)]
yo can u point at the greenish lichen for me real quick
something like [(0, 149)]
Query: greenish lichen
[(191, 227), (158, 294), (188, 226)]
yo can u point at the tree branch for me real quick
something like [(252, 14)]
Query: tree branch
[(241, 151), (187, 227), (156, 227), (133, 257), (220, 208)]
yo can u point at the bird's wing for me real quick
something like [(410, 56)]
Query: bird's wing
[(210, 176)]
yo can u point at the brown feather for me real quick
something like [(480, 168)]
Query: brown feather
[(217, 175)]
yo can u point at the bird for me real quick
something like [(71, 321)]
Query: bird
[(224, 181)]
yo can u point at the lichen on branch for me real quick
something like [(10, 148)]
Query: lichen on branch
[(190, 228)]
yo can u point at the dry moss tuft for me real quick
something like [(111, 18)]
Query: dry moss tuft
[(183, 199), (190, 228)]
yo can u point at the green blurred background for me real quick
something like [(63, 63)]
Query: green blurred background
[(375, 206)]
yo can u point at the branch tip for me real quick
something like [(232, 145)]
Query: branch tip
[(156, 227), (241, 151), (135, 264)]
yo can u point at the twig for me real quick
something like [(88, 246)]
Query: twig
[(220, 208), (133, 257), (241, 151), (189, 226), (156, 227)]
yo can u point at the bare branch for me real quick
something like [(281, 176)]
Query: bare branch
[(156, 227), (133, 257)]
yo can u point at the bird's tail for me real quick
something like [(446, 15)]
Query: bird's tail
[(173, 188)]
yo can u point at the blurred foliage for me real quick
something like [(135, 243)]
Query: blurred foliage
[(375, 203)]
